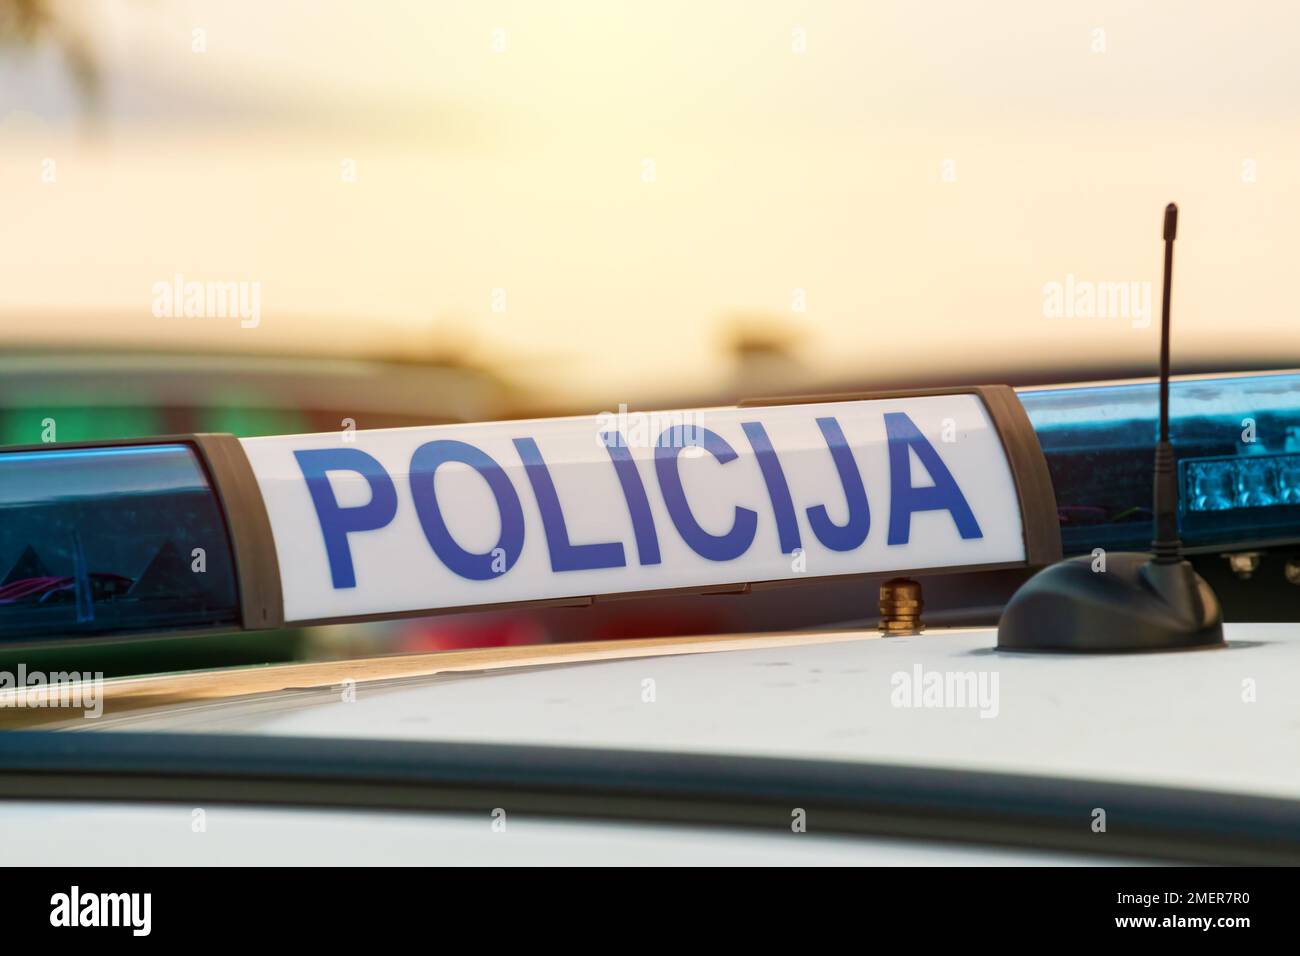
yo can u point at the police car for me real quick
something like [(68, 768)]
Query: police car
[(838, 746), (1110, 716)]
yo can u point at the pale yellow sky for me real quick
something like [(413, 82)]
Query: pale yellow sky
[(920, 171)]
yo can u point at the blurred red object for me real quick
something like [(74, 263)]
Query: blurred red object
[(463, 631), (558, 626)]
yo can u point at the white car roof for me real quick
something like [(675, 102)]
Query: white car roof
[(1222, 719)]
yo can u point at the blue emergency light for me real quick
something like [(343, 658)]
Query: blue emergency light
[(106, 540), (126, 537), (1238, 442)]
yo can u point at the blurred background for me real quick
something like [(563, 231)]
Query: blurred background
[(466, 211)]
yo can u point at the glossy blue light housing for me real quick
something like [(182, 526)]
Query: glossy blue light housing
[(111, 539), (1237, 439), (1258, 481)]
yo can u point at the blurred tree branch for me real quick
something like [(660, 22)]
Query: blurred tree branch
[(28, 23)]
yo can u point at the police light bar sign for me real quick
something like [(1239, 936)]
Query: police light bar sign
[(386, 522)]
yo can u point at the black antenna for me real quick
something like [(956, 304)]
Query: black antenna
[(1168, 549), (1125, 601)]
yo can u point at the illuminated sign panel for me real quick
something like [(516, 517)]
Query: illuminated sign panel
[(406, 520)]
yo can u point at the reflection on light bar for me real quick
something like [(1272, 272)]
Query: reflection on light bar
[(111, 539), (1237, 439)]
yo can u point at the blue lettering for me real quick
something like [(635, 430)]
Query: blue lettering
[(787, 525), (476, 567), (564, 556), (715, 547), (337, 523), (638, 504), (943, 495), (853, 532)]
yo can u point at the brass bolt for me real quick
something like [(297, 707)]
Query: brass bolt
[(1292, 571), (900, 607), (1244, 563)]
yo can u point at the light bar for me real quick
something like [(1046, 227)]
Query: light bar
[(395, 522), (1237, 439), (111, 539)]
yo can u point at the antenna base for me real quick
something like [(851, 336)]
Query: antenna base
[(1136, 604)]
